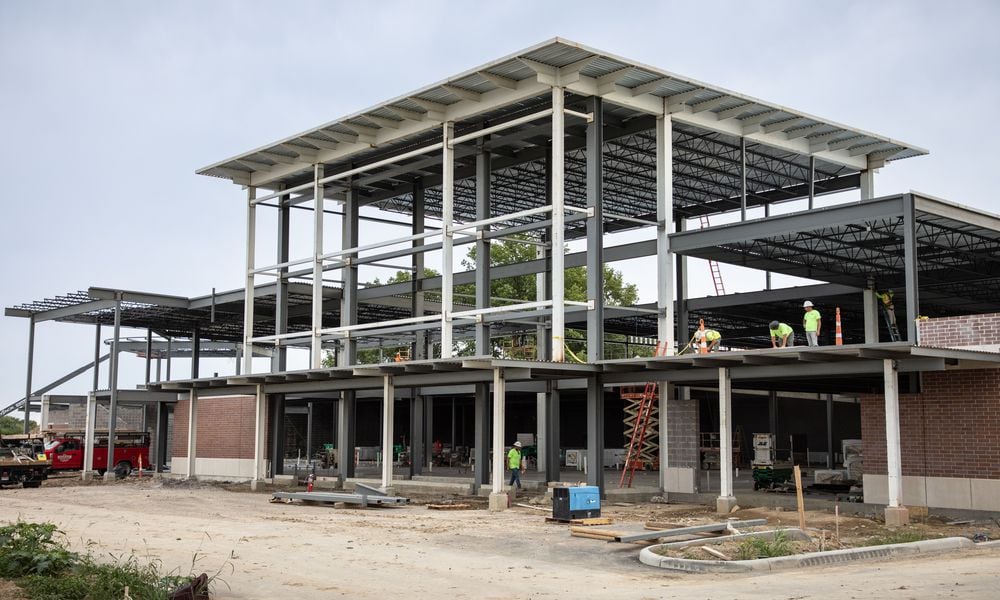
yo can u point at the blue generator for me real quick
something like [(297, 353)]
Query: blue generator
[(582, 502)]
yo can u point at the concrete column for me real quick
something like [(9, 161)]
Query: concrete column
[(558, 334), (871, 316), (595, 230), (552, 433), (259, 439), (316, 347), (666, 391), (388, 433), (192, 441), (481, 437), (895, 514), (726, 500), (447, 239), (89, 427), (113, 403), (248, 293), (498, 499), (595, 432), (346, 435)]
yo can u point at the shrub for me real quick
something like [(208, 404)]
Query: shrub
[(758, 547), (29, 549)]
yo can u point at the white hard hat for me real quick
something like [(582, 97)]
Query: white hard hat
[(517, 444), (806, 304)]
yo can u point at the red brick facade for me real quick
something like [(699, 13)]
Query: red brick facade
[(950, 429), (961, 331), (225, 427)]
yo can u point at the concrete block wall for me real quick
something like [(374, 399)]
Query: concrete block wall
[(949, 442), (682, 444), (972, 332), (75, 416)]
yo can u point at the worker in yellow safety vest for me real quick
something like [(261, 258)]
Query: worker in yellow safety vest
[(890, 310), (812, 323), (710, 337), (514, 464), (783, 332)]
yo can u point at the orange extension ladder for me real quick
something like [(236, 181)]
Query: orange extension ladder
[(720, 289), (639, 428)]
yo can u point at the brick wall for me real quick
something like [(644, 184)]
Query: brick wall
[(225, 427), (981, 331), (948, 430)]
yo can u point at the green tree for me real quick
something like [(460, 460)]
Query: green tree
[(10, 425)]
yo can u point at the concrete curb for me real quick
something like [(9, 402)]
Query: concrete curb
[(831, 557)]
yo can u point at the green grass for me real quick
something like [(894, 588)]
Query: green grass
[(37, 558), (756, 547)]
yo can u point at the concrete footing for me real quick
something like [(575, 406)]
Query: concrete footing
[(89, 475), (256, 484), (724, 504), (897, 516), (499, 502)]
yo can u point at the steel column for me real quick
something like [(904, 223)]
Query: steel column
[(558, 226), (27, 384), (483, 345), (725, 434), (162, 427), (595, 230), (97, 358), (552, 433), (248, 294), (870, 303), (893, 453), (196, 352), (499, 409), (829, 431), (429, 418), (417, 260), (277, 426), (170, 352), (666, 391), (316, 348), (388, 416), (259, 435), (481, 437), (279, 359), (89, 434), (812, 181), (309, 432), (664, 227), (867, 184), (192, 432), (418, 444), (743, 179), (149, 352), (345, 435), (595, 432), (113, 408), (349, 297), (447, 241), (682, 294), (910, 262)]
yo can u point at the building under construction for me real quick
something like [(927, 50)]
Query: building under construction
[(561, 146)]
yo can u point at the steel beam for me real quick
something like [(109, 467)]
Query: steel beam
[(558, 169), (595, 231)]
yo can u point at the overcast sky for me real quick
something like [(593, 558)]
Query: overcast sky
[(107, 109)]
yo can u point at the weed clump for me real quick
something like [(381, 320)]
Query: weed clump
[(756, 547)]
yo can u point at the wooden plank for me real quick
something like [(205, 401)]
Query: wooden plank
[(652, 535), (449, 506), (715, 553), (592, 521), (798, 498), (592, 531)]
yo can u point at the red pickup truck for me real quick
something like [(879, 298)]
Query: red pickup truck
[(65, 451)]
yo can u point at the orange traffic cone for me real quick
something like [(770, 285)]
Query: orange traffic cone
[(840, 334)]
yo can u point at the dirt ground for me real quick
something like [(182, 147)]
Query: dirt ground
[(259, 549)]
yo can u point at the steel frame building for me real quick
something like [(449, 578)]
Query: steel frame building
[(563, 143)]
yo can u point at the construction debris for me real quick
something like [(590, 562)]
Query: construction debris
[(679, 531), (449, 506), (365, 496)]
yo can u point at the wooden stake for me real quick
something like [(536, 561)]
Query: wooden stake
[(798, 497)]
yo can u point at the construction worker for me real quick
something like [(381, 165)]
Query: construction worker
[(812, 323), (514, 464), (783, 332), (710, 337), (887, 306)]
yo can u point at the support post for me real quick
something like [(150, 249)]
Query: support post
[(895, 514), (558, 226), (277, 426), (664, 226), (309, 432), (259, 439), (447, 238), (481, 437), (192, 441), (429, 419), (867, 184), (97, 358), (595, 231), (666, 392), (88, 437), (162, 422), (726, 501), (743, 178), (595, 432), (170, 352), (418, 444), (417, 302), (27, 384), (483, 344), (345, 435), (870, 303), (196, 352), (349, 298), (388, 416), (248, 294), (910, 263), (812, 181), (498, 499), (279, 358), (149, 354), (682, 294), (316, 353), (829, 431), (552, 433), (113, 408)]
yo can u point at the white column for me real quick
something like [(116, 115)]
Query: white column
[(192, 445), (558, 226), (88, 451), (726, 500), (447, 221), (867, 184), (540, 415), (870, 303), (665, 390), (892, 450), (664, 226), (388, 408), (317, 284), (248, 295), (43, 416), (260, 430), (499, 405)]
